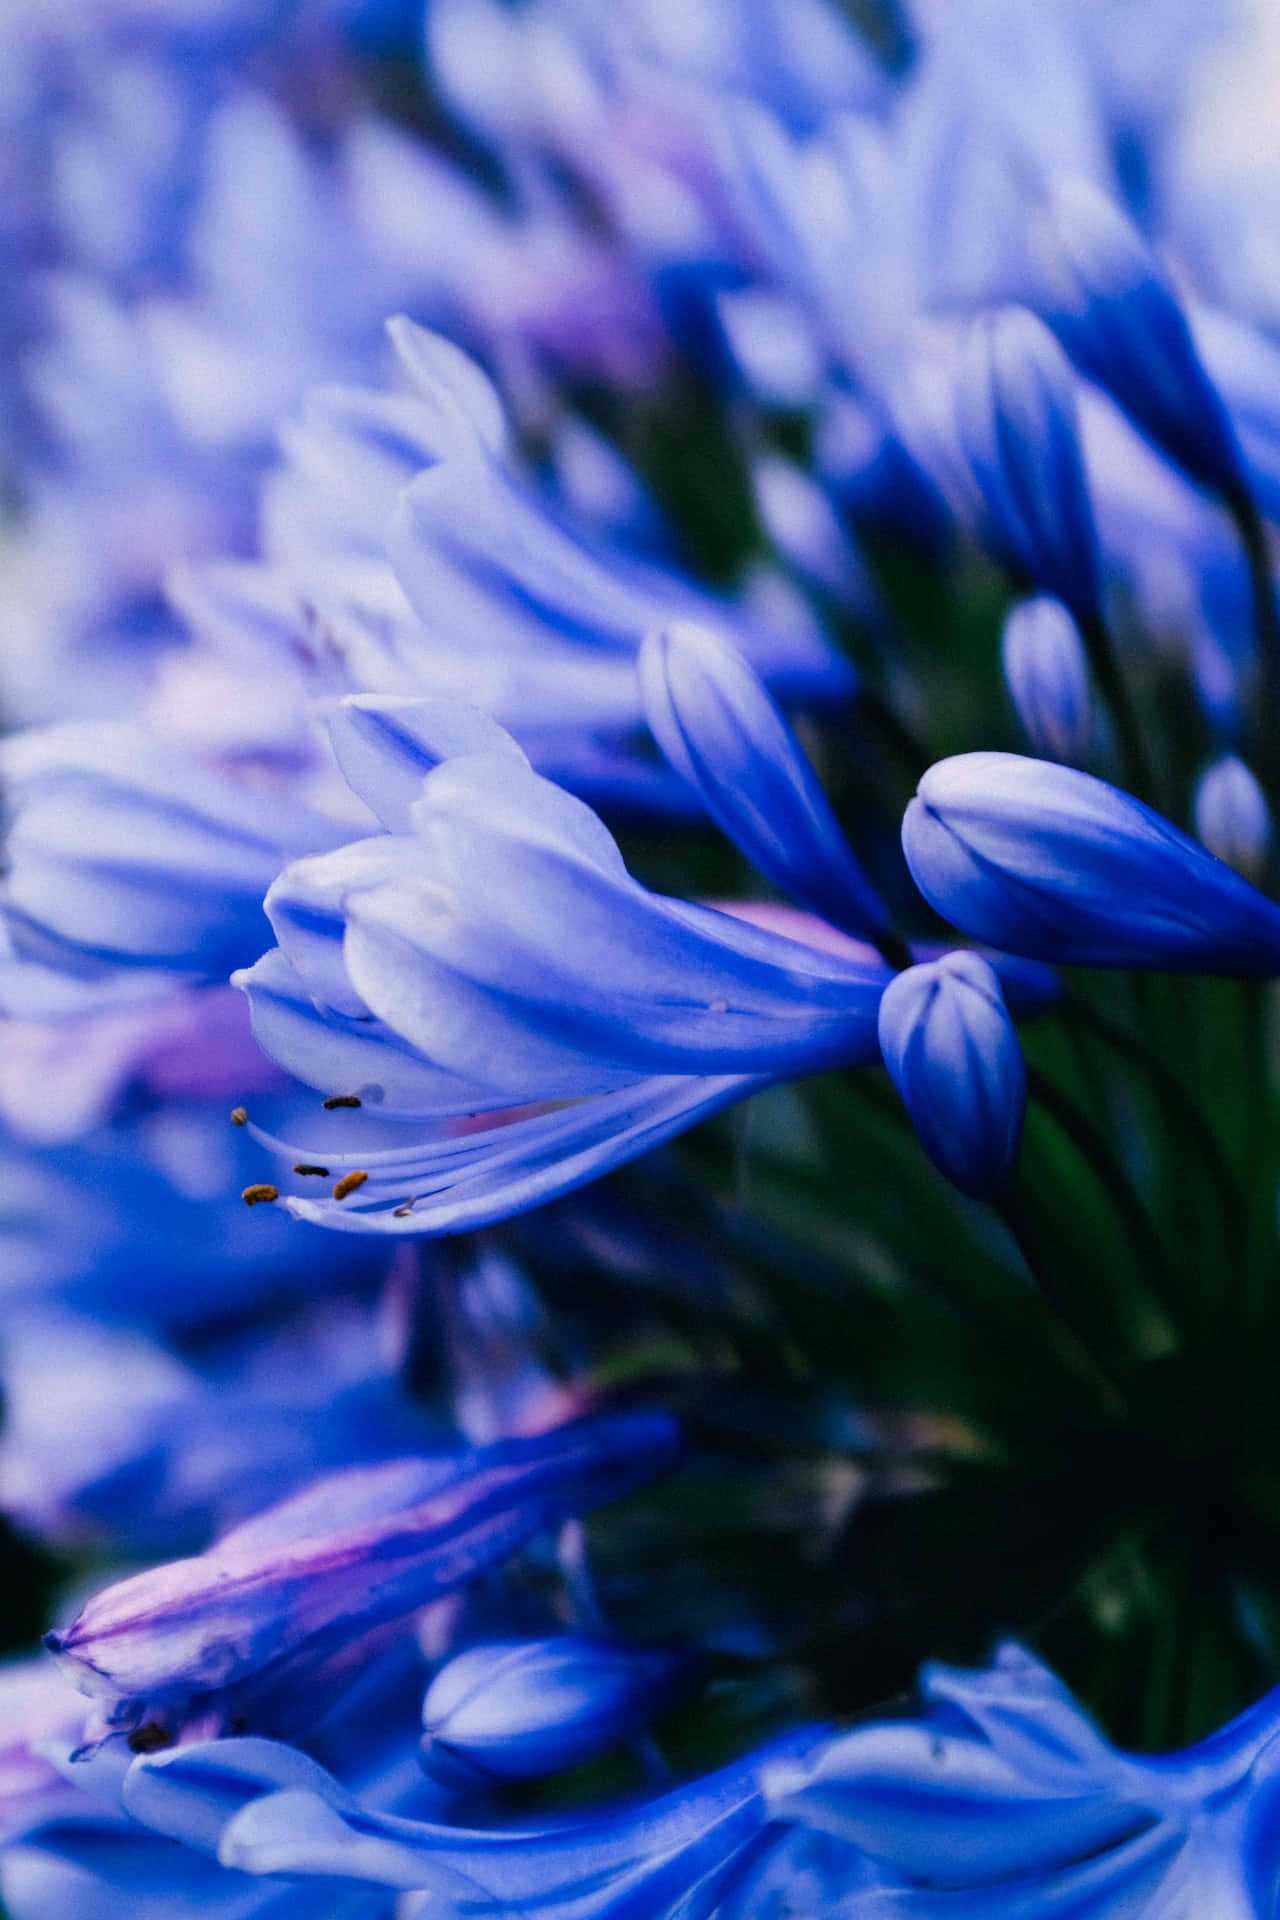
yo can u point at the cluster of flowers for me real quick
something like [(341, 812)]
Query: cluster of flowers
[(469, 752)]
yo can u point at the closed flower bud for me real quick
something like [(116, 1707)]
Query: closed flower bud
[(1232, 817), (519, 1708), (1048, 678), (954, 1056), (1110, 305), (1055, 865), (1016, 420)]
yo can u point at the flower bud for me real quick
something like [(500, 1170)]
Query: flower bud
[(1110, 305), (954, 1056), (1048, 678), (1017, 427), (1232, 817), (519, 1708), (1055, 865)]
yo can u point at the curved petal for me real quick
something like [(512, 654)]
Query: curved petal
[(514, 948), (340, 1054), (717, 725), (386, 744), (453, 1185), (669, 1856)]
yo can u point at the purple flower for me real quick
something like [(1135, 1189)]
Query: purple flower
[(283, 1607)]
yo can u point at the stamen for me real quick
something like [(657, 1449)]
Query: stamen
[(302, 1166), (348, 1184), (255, 1195), (239, 1117), (341, 1100), (402, 1213)]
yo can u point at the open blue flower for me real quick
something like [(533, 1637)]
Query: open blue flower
[(497, 953), (1001, 1798)]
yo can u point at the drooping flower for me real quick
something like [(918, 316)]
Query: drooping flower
[(269, 1621)]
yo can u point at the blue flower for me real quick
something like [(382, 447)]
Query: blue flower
[(510, 1709), (499, 953), (124, 853), (1047, 675), (672, 1856), (1107, 300), (953, 1055), (1018, 432), (1232, 816), (1051, 863), (718, 727), (1000, 1798), (273, 1619)]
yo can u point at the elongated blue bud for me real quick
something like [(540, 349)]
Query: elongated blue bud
[(1048, 678), (719, 727), (1109, 303), (1016, 419), (274, 1604), (1056, 865), (1232, 816), (520, 1708), (953, 1055)]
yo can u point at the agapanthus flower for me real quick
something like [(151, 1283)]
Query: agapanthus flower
[(426, 970), (953, 1055), (1057, 865), (675, 1854), (1001, 1797), (669, 551), (510, 1709), (1232, 816), (1047, 676), (265, 1625)]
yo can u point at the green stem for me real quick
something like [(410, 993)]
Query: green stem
[(1093, 1149), (1230, 1194), (1253, 538), (1024, 1231), (894, 730), (1106, 671)]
